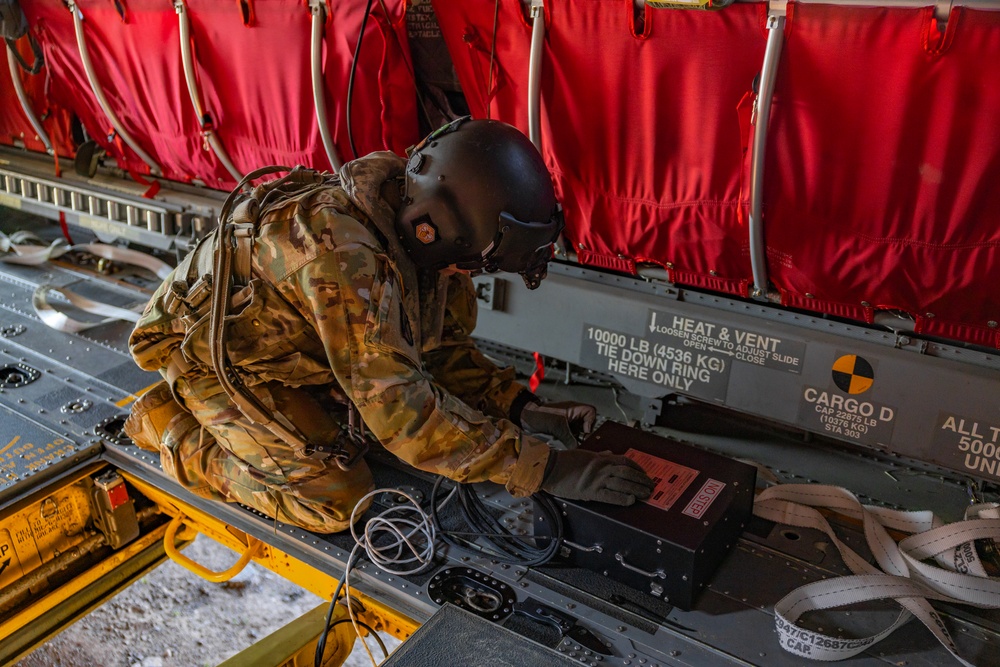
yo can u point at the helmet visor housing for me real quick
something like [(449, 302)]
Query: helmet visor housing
[(520, 247)]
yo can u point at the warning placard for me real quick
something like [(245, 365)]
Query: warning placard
[(702, 500), (725, 341), (687, 355), (841, 416), (973, 443), (664, 366), (671, 478)]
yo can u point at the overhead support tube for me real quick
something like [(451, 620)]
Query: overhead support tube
[(535, 92), (762, 114), (318, 9), (535, 72), (204, 120), (22, 97), (95, 86)]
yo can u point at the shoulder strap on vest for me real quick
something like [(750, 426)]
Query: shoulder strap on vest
[(232, 262)]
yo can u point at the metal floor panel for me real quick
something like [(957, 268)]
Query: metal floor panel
[(31, 455), (732, 623), (58, 391)]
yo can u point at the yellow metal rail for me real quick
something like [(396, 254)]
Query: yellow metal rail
[(188, 519), (253, 547)]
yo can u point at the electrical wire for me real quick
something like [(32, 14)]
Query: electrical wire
[(321, 642), (350, 611), (493, 51), (393, 524), (354, 67), (614, 391), (391, 556), (502, 545), (350, 79), (400, 540), (371, 631)]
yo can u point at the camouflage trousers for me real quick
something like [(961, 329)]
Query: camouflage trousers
[(217, 453)]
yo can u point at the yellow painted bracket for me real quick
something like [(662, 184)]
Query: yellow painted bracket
[(191, 519), (253, 548)]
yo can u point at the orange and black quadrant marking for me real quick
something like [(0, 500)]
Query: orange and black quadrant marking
[(853, 374)]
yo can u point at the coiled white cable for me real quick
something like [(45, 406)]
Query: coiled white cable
[(409, 547)]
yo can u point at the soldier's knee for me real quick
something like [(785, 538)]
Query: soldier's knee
[(323, 515), (153, 416), (325, 504), (190, 455)]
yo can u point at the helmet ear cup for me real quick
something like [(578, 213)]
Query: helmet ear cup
[(459, 182)]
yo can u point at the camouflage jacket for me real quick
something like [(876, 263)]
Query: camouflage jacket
[(338, 306)]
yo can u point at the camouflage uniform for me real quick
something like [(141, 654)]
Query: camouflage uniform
[(335, 314)]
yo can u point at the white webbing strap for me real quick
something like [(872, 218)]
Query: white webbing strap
[(126, 256), (62, 322), (905, 576), (30, 254), (33, 254), (27, 249), (36, 253)]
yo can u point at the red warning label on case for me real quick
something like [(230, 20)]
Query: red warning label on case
[(702, 500), (671, 478)]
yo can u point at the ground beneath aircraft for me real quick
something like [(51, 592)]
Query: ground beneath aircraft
[(172, 618)]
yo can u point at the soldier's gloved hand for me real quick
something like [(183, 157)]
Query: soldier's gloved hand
[(579, 474), (566, 421)]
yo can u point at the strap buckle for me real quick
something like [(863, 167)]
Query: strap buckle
[(346, 461), (358, 434)]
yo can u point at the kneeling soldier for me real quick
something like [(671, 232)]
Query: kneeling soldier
[(325, 305)]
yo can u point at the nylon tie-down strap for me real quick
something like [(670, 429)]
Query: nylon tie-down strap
[(35, 253), (63, 322), (959, 576)]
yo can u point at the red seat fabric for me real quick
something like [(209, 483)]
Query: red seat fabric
[(882, 167), (15, 129), (254, 79), (142, 83), (260, 81), (640, 131)]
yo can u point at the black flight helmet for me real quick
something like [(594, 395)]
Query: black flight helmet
[(478, 195)]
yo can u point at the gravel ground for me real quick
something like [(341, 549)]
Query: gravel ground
[(172, 618)]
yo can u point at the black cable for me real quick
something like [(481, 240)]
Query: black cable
[(381, 644), (35, 67), (493, 52), (350, 79), (479, 518), (321, 642), (504, 546)]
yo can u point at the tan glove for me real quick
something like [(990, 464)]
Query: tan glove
[(579, 474), (566, 421)]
